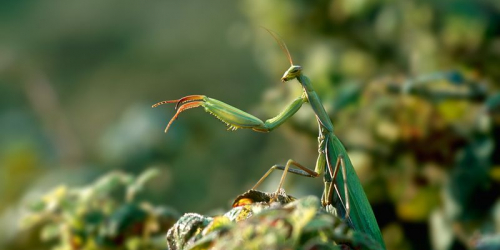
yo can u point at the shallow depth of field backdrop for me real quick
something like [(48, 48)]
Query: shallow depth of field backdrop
[(77, 81)]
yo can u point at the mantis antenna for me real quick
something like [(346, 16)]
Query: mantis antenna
[(282, 44)]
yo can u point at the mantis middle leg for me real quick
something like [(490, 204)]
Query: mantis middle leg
[(304, 171), (340, 164)]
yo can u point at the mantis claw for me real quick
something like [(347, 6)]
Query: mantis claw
[(185, 103), (181, 101), (182, 108), (189, 98), (163, 102)]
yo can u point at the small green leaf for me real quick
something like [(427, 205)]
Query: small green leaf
[(137, 185), (50, 232)]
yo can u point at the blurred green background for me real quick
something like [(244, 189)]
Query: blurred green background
[(77, 80)]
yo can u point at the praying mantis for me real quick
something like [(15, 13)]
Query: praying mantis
[(354, 205)]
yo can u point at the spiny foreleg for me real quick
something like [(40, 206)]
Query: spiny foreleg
[(233, 117)]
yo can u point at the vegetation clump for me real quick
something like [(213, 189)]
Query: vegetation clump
[(257, 221), (103, 215)]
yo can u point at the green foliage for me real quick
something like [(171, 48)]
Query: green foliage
[(284, 224), (103, 215)]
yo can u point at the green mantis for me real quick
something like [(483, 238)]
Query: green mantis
[(354, 205)]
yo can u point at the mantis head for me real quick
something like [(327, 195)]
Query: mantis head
[(293, 72)]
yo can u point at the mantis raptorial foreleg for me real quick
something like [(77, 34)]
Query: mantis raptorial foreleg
[(233, 117), (236, 118)]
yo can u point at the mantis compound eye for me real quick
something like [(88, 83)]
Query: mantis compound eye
[(295, 69)]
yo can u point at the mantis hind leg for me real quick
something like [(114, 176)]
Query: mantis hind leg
[(304, 171), (340, 164)]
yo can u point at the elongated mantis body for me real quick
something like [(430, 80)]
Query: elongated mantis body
[(354, 202)]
